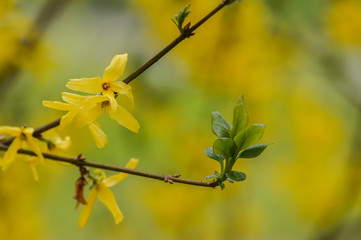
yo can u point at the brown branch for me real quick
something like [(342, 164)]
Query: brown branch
[(38, 131), (186, 33), (80, 161)]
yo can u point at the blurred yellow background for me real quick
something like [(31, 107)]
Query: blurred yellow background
[(295, 62)]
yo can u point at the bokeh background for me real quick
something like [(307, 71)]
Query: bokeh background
[(297, 63)]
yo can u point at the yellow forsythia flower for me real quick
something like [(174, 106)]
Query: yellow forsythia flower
[(22, 135), (74, 104), (107, 88), (85, 110), (104, 194)]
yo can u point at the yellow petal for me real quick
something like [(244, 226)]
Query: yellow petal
[(62, 143), (10, 131), (34, 146), (88, 115), (116, 68), (120, 87), (78, 100), (87, 209), (32, 162), (124, 118), (34, 171), (67, 119), (96, 99), (88, 85), (107, 198), (133, 162), (99, 171), (114, 179), (11, 153), (112, 102), (98, 135), (124, 89), (28, 131), (59, 105)]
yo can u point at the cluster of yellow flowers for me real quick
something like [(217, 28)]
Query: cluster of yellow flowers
[(85, 110), (22, 137), (82, 111)]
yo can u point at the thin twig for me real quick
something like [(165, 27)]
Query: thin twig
[(186, 33), (38, 131), (80, 161)]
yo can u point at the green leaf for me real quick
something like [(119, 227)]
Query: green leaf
[(236, 176), (240, 117), (209, 152), (180, 17), (249, 136), (215, 175), (211, 176), (229, 180), (221, 185), (220, 126), (253, 151), (224, 147)]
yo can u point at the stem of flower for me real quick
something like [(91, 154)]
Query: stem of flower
[(80, 161), (38, 131)]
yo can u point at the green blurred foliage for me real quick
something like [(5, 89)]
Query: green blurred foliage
[(296, 62)]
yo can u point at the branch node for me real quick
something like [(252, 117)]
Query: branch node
[(226, 2), (80, 157), (83, 170), (213, 184), (167, 180), (186, 31)]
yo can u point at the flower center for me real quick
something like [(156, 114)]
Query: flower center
[(22, 136), (105, 103), (106, 86)]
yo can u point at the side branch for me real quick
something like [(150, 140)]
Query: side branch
[(38, 131), (186, 33), (80, 161)]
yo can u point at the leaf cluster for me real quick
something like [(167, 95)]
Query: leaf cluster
[(180, 17), (233, 142)]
